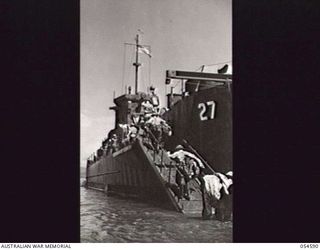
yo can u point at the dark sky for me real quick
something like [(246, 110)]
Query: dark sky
[(183, 35)]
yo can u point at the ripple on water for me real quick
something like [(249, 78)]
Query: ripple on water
[(109, 219)]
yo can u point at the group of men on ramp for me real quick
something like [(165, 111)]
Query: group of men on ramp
[(216, 188), (147, 123)]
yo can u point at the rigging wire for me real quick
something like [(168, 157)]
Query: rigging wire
[(145, 79), (144, 74), (142, 78), (131, 60), (124, 67), (149, 59)]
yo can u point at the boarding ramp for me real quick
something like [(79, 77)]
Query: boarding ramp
[(141, 171), (166, 170)]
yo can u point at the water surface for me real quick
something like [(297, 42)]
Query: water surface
[(112, 219)]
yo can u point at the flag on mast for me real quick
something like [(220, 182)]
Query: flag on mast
[(144, 49)]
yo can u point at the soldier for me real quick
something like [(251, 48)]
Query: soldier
[(147, 109), (224, 206), (216, 190), (154, 97), (114, 143), (133, 132), (189, 166), (124, 129), (104, 143), (195, 165), (157, 127)]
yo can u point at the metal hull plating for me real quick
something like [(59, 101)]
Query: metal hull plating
[(204, 119), (130, 172)]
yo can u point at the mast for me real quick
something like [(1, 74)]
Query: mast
[(136, 64)]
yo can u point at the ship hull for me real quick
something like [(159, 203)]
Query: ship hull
[(130, 172), (202, 122), (204, 119)]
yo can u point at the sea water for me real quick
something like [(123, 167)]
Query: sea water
[(112, 219)]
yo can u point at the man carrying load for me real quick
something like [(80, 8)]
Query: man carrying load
[(189, 167)]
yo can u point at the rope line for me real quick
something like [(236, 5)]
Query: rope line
[(149, 59), (131, 60), (124, 67)]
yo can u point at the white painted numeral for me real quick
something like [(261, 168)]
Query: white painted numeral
[(203, 109), (213, 108)]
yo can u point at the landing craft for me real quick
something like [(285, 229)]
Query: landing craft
[(200, 116)]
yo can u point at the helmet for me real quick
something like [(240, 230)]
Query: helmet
[(230, 173), (179, 147)]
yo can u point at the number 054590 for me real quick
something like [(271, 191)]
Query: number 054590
[(308, 245)]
